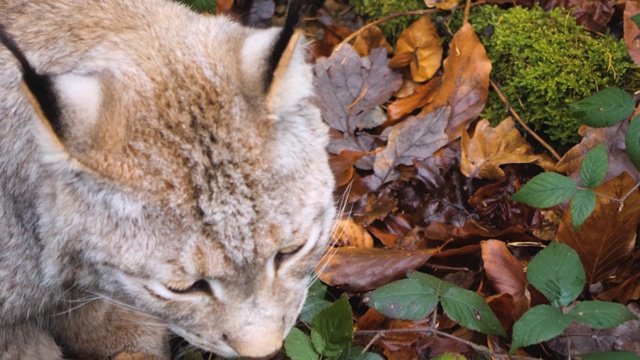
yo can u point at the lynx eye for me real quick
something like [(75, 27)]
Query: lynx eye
[(198, 286), (286, 253)]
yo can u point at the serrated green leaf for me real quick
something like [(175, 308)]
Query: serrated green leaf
[(558, 273), (471, 311), (582, 205), (407, 299), (604, 108), (332, 328), (539, 324), (636, 19), (594, 167), (356, 353), (632, 141), (449, 356), (612, 355), (440, 286), (546, 190), (601, 314), (315, 301), (298, 346)]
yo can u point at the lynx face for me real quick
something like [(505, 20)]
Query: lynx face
[(176, 176)]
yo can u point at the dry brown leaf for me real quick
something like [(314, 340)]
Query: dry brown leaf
[(419, 47), (370, 38), (342, 165), (571, 160), (361, 270), (491, 147), (421, 96), (631, 31), (608, 236), (348, 233), (441, 4), (465, 83)]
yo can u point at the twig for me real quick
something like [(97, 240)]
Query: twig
[(476, 347), (497, 89)]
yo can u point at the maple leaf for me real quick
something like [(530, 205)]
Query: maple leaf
[(631, 30), (419, 47), (607, 237), (349, 88), (465, 83), (491, 147), (414, 138)]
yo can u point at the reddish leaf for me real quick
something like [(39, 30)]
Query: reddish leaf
[(607, 237), (465, 83), (371, 38), (361, 270), (342, 165), (631, 31), (421, 96)]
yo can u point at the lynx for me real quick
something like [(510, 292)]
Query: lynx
[(161, 172)]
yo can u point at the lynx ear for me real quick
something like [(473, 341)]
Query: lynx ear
[(67, 105)]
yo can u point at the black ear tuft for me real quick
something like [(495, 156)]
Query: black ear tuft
[(40, 86), (294, 12)]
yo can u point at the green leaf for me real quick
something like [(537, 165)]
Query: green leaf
[(636, 19), (449, 356), (612, 355), (471, 311), (582, 205), (298, 346), (558, 273), (604, 108), (440, 286), (632, 141), (356, 353), (546, 190), (594, 167), (332, 328), (315, 301), (407, 299), (600, 314), (539, 324)]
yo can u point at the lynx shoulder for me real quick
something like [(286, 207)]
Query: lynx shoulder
[(160, 172)]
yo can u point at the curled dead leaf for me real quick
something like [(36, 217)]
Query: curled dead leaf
[(441, 4), (370, 38), (348, 233), (419, 47), (491, 147)]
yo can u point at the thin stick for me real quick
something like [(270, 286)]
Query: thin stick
[(496, 87)]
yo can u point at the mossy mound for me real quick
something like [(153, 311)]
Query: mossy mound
[(375, 9)]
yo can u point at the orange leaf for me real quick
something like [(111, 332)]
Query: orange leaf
[(490, 147), (348, 233), (631, 31), (419, 47), (371, 38), (608, 236), (441, 4), (421, 96), (465, 83)]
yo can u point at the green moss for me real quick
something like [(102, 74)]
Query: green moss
[(544, 61), (201, 5), (375, 9)]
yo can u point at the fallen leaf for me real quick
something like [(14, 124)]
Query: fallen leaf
[(491, 147), (465, 83), (607, 237), (349, 88), (422, 95), (419, 47), (342, 165), (414, 138), (593, 15), (348, 233), (361, 270), (371, 38), (441, 4), (631, 31)]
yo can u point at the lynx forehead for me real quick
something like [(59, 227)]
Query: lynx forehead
[(160, 171)]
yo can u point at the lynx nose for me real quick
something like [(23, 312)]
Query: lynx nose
[(259, 345)]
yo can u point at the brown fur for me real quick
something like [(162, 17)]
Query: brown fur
[(174, 166)]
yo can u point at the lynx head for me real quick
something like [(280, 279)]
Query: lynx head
[(185, 175)]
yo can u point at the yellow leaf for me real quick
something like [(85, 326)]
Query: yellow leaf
[(441, 4), (490, 147), (419, 47)]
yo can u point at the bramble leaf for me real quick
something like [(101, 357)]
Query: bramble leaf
[(440, 286), (604, 108), (601, 314), (582, 205), (611, 355), (558, 273), (594, 167), (546, 190), (332, 328), (298, 346), (539, 324), (632, 141), (407, 299), (471, 311)]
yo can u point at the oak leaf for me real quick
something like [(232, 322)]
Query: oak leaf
[(419, 47), (491, 147), (465, 83), (607, 237)]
